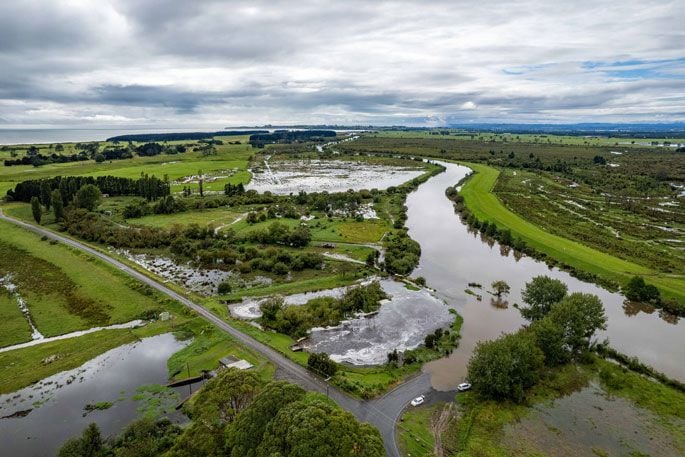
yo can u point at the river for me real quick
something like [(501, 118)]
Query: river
[(452, 257)]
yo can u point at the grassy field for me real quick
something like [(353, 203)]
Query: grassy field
[(15, 328), (228, 165), (66, 290), (485, 205), (591, 140), (413, 433)]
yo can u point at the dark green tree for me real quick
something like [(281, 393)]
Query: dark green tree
[(549, 337), (57, 205), (540, 294), (321, 364), (45, 194), (580, 316), (313, 427), (506, 367), (88, 197), (247, 431), (36, 209)]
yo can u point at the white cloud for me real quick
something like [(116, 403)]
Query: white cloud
[(175, 62)]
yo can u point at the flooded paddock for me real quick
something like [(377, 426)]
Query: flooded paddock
[(286, 177), (35, 421), (569, 426), (402, 323)]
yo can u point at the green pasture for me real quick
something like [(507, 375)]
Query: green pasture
[(485, 205)]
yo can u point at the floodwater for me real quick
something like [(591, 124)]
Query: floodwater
[(51, 411), (569, 427), (401, 323), (286, 177), (452, 257)]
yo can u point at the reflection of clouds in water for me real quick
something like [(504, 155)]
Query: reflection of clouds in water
[(402, 323)]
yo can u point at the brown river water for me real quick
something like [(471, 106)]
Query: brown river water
[(452, 257)]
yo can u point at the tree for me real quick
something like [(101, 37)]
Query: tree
[(429, 341), (36, 209), (200, 182), (300, 236), (506, 367), (500, 288), (88, 445), (99, 158), (549, 337), (45, 196), (247, 431), (57, 205), (639, 291), (88, 197), (540, 294), (321, 364), (313, 427), (579, 315)]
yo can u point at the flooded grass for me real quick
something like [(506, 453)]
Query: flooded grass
[(285, 177), (572, 412)]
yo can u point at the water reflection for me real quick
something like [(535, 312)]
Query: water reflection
[(36, 420), (452, 256)]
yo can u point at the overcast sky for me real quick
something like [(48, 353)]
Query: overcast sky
[(221, 63)]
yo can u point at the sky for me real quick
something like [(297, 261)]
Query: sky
[(211, 63)]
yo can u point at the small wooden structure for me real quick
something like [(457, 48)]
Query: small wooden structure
[(234, 362)]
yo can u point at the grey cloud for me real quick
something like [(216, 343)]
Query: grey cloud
[(231, 61)]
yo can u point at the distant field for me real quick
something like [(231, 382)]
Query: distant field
[(477, 192), (229, 162), (541, 138)]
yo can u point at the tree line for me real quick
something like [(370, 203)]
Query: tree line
[(148, 187), (236, 414)]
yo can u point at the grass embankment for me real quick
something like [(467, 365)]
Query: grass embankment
[(478, 196)]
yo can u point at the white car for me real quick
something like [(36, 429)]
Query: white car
[(463, 386), (418, 400)]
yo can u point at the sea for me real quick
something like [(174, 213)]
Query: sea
[(49, 136)]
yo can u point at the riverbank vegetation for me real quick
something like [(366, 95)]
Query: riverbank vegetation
[(604, 220), (237, 414)]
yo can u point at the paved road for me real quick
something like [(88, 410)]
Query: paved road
[(382, 413)]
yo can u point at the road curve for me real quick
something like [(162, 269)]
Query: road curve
[(383, 412)]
